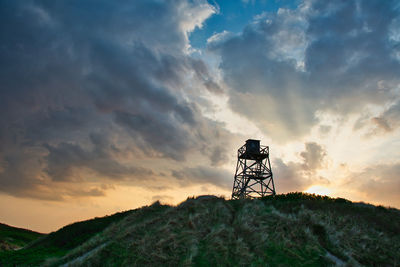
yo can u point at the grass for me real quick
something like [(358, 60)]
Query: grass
[(294, 229), (14, 238), (57, 244)]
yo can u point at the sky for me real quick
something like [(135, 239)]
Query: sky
[(111, 105)]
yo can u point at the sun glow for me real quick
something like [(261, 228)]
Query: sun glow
[(319, 190)]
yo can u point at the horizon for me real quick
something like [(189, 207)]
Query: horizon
[(111, 106), (190, 197)]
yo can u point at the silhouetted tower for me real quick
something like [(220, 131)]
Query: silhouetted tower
[(253, 177)]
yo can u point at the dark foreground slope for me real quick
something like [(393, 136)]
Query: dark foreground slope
[(288, 230), (59, 243), (14, 238)]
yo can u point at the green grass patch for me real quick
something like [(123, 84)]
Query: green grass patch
[(57, 244), (16, 237)]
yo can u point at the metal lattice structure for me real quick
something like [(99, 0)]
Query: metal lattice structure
[(253, 176)]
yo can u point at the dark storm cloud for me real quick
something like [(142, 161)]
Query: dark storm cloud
[(331, 56), (80, 79), (65, 157), (157, 132), (295, 176), (203, 174)]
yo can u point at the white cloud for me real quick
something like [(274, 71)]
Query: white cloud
[(316, 58)]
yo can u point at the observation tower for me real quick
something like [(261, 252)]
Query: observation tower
[(253, 176)]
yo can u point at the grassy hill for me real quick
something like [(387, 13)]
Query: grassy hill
[(59, 243), (12, 238), (287, 230)]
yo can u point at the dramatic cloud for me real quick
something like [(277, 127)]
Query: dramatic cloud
[(64, 158), (297, 176), (332, 57), (101, 95), (110, 105), (201, 174), (84, 82)]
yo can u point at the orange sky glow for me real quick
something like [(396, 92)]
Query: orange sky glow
[(108, 106)]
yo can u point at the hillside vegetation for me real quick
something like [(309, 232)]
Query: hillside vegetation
[(57, 244), (286, 230), (12, 238)]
